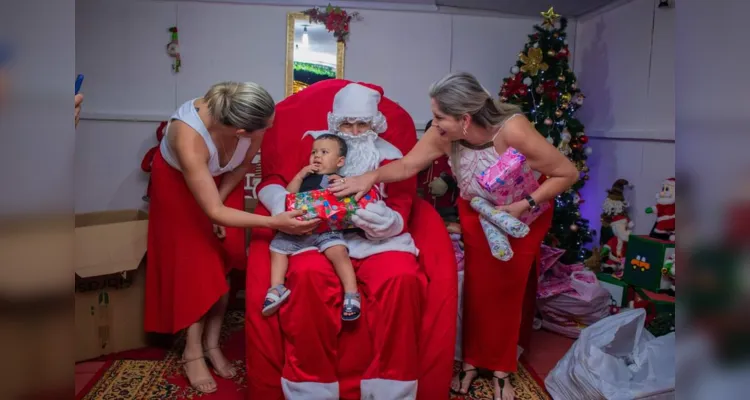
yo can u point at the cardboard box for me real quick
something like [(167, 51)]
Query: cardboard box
[(109, 254)]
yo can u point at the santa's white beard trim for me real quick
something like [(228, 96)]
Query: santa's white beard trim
[(362, 155)]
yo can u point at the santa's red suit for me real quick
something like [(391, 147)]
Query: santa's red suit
[(665, 209), (407, 328)]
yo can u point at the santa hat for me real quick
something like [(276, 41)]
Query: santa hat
[(357, 103), (669, 182), (616, 192)]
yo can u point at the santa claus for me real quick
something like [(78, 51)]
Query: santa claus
[(664, 227), (321, 359)]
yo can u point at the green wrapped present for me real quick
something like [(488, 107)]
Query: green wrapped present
[(645, 262), (619, 291)]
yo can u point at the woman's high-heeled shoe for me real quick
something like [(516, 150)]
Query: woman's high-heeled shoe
[(227, 371)]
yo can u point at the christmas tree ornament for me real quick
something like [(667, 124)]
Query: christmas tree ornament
[(585, 168), (173, 49), (564, 145), (548, 121), (551, 53), (527, 81), (540, 89), (583, 139), (514, 69), (565, 97), (550, 140), (564, 106), (555, 35), (586, 177), (533, 62), (558, 113), (574, 227), (550, 17), (561, 78), (587, 151)]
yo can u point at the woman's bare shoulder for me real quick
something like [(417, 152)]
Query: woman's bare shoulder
[(183, 139)]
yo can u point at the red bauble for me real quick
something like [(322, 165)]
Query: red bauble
[(583, 139)]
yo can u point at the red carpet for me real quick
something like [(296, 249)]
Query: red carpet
[(153, 373)]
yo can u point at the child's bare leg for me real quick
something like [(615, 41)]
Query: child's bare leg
[(279, 266), (342, 264), (278, 293)]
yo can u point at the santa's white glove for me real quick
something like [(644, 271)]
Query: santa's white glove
[(378, 221)]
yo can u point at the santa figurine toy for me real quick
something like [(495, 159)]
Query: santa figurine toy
[(664, 227)]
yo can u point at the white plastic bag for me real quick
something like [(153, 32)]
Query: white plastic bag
[(615, 359)]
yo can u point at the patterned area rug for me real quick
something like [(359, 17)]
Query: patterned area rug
[(528, 386), (156, 374)]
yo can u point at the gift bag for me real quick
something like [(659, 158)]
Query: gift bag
[(509, 180), (335, 213), (615, 359)]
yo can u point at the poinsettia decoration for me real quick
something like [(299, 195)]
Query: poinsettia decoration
[(335, 19)]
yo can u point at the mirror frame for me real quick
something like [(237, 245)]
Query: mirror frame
[(340, 52)]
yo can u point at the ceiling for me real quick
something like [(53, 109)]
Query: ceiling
[(567, 8)]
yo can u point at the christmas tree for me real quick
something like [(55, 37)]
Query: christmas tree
[(544, 86)]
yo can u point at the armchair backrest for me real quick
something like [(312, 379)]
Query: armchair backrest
[(284, 153)]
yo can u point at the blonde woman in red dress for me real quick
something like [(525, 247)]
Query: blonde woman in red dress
[(474, 130), (196, 223)]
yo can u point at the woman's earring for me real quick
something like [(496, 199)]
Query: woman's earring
[(465, 131)]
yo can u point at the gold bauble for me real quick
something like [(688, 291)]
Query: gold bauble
[(564, 106), (558, 113), (586, 177), (566, 97), (551, 53), (561, 78), (585, 169), (574, 227)]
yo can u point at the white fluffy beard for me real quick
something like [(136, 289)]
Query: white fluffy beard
[(362, 155)]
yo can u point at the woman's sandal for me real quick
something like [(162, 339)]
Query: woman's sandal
[(461, 376), (273, 300), (197, 384), (351, 309), (501, 383), (229, 371)]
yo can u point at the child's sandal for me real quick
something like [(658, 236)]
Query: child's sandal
[(351, 309), (274, 300)]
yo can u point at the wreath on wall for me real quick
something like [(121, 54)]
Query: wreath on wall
[(335, 19)]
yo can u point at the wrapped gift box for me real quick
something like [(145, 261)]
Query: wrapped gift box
[(335, 213), (644, 261), (619, 291), (509, 180), (660, 310)]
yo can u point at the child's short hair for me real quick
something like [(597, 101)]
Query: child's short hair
[(343, 149)]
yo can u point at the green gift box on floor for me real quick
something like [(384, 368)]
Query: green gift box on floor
[(645, 260), (619, 291)]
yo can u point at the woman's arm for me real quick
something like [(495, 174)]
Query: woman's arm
[(192, 155), (542, 157), (428, 149)]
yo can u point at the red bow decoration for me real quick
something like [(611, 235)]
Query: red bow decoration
[(514, 86), (149, 157)]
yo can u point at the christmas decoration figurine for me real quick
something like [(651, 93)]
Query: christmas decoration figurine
[(615, 218), (664, 228), (173, 49)]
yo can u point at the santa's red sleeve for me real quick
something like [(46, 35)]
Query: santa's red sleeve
[(399, 197)]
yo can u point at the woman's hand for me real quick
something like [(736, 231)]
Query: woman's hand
[(358, 185), (220, 232), (287, 222), (515, 209)]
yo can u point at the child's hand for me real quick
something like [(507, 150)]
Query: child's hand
[(307, 170), (220, 232)]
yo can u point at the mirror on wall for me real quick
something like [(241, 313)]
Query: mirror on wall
[(312, 53)]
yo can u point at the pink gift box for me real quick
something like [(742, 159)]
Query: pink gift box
[(509, 180)]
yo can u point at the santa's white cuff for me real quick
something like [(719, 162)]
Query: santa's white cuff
[(273, 198)]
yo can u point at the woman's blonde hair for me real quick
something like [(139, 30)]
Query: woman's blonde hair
[(461, 93), (243, 105)]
